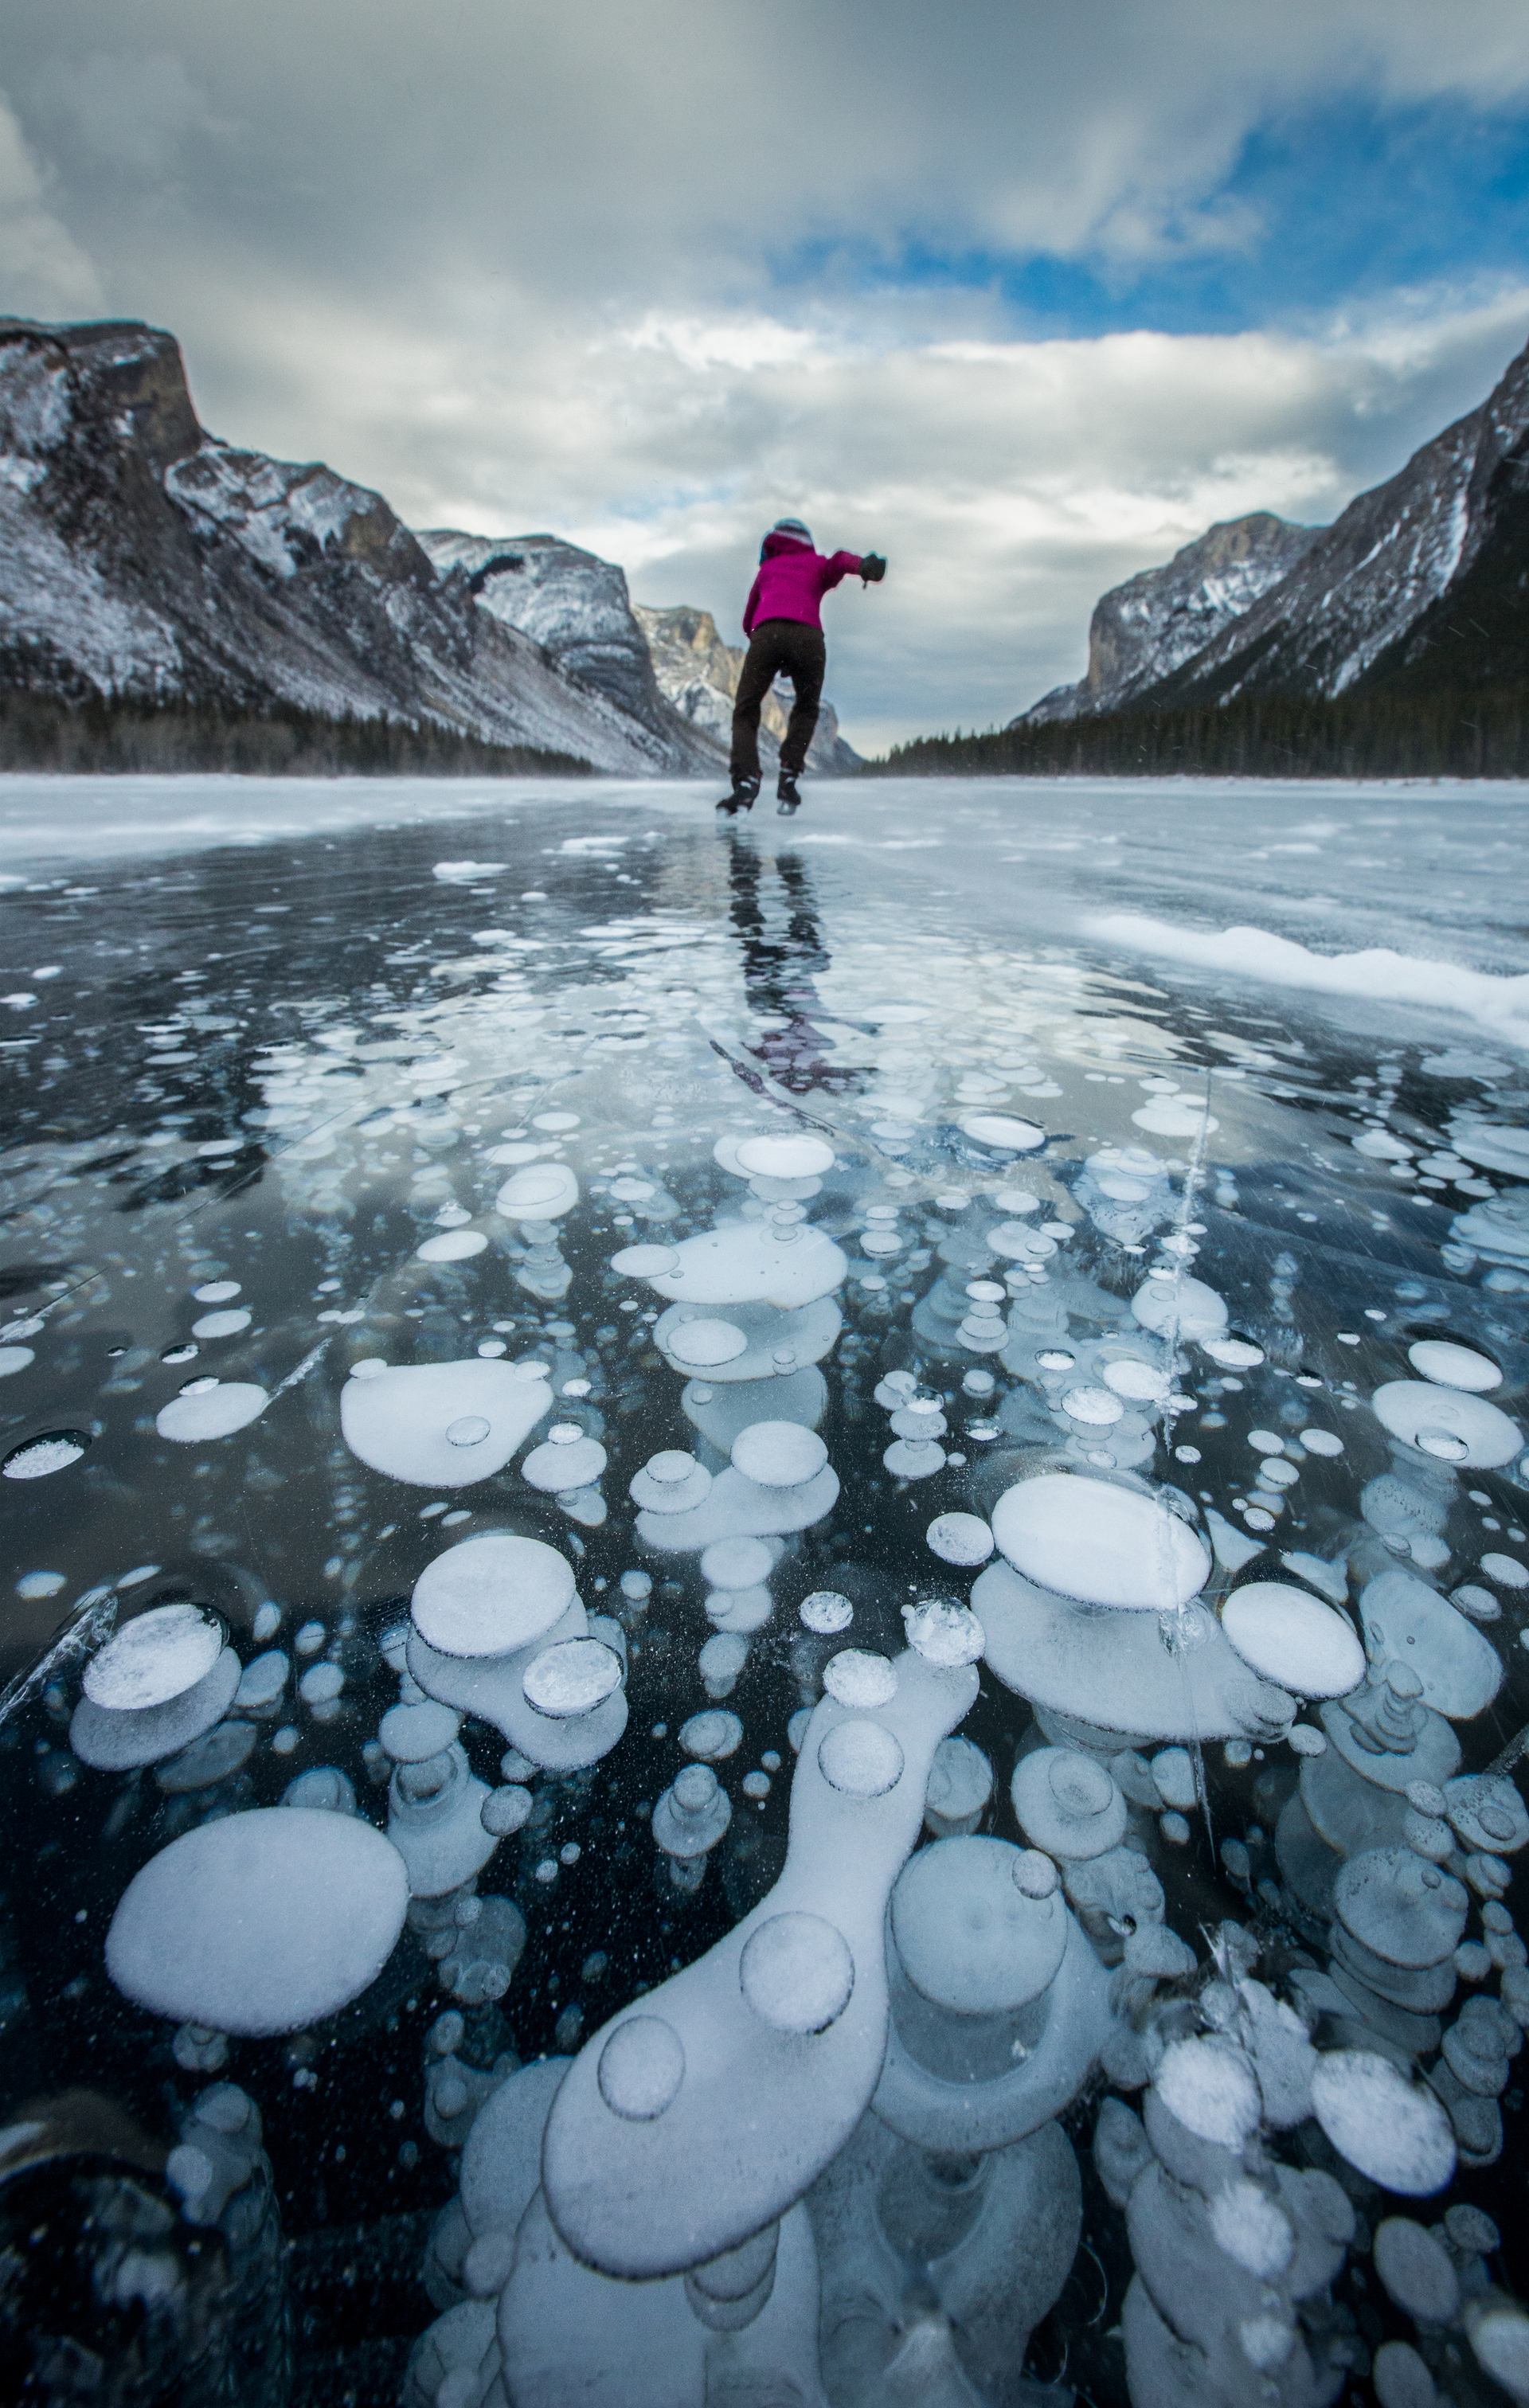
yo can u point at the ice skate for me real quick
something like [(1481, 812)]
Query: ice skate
[(741, 798), (787, 794)]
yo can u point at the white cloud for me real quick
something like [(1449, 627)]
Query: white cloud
[(43, 272)]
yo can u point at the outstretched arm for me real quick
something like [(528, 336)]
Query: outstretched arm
[(871, 565)]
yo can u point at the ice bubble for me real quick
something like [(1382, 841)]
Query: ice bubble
[(1066, 1804), (260, 1922), (968, 1937), (1449, 1422), (506, 1811), (222, 1324), (1457, 1665), (413, 1734), (1499, 2335), (543, 1191), (1252, 2228), (324, 1787), (158, 1656), (778, 1454), (262, 1680), (112, 1738), (1233, 1354), (825, 1612), (705, 1345), (1417, 2269), (1400, 1907), (1100, 1544), (1002, 1132), (720, 1661), (784, 1158), (746, 1263), (491, 1595), (860, 1759), (1143, 1382), (960, 1785), (1091, 1405), (1173, 1777), (645, 1262), (1385, 2127), (1212, 2087), (1035, 1873), (1453, 1367), (736, 1563), (1322, 1442), (711, 1735), (1175, 1117), (571, 1678), (959, 1539), (692, 1814), (671, 1482), (1401, 2378), (641, 2067), (943, 1632), (796, 1971), (450, 1246), (1185, 1304), (321, 1684), (14, 1359), (1506, 1570), (562, 1463), (211, 1759), (855, 1678), (1289, 1637), (912, 1459), (215, 1411), (217, 1291), (414, 1422), (1487, 1812)]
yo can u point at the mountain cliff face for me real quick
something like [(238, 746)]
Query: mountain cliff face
[(1388, 594), (1143, 631), (577, 608), (142, 559), (699, 674)]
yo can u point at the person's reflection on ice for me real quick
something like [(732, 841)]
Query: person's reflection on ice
[(783, 954)]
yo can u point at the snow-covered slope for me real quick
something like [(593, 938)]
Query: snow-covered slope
[(577, 608), (1352, 607), (1144, 630), (140, 558), (699, 674)]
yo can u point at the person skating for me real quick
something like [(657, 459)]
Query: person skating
[(782, 623)]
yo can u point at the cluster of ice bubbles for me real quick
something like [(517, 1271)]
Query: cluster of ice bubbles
[(827, 2158)]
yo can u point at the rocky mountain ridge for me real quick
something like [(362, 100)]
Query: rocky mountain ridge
[(1144, 630), (1421, 586), (699, 673), (145, 562)]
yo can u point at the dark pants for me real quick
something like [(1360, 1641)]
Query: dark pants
[(778, 647)]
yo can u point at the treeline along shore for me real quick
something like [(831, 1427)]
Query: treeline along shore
[(42, 732), (1375, 734)]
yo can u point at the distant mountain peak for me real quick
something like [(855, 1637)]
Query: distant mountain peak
[(1144, 630)]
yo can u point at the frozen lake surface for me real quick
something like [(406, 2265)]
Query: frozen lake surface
[(764, 1593)]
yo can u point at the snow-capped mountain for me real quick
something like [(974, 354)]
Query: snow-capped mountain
[(699, 674), (577, 608), (1144, 630), (141, 559)]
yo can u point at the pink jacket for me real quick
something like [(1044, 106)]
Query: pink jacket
[(792, 581)]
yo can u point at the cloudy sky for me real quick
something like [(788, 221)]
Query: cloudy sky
[(1025, 293)]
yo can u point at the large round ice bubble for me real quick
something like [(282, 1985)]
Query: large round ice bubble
[(1447, 1423), (157, 1657), (1183, 1304), (572, 1678), (1003, 1132), (489, 1596), (784, 1158), (1386, 2127), (1291, 1637), (1100, 1544), (543, 1191), (641, 2067), (968, 1937), (746, 1264), (778, 1454), (1212, 2087), (441, 1424), (860, 1759), (262, 1922), (1453, 1367), (796, 1972), (215, 1411)]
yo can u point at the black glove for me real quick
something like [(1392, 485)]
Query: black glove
[(873, 568)]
